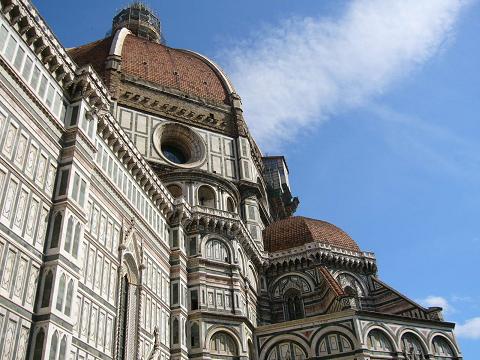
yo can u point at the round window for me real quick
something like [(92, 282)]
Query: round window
[(179, 145), (174, 154)]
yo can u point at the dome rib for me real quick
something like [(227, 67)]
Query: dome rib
[(298, 231)]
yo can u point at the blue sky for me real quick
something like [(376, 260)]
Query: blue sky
[(376, 109)]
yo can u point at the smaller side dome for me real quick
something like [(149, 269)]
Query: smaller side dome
[(298, 230)]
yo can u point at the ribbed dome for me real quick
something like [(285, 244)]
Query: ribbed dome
[(298, 230), (161, 65)]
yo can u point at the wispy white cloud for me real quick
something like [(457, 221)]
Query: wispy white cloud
[(303, 71), (436, 301), (434, 147), (470, 329)]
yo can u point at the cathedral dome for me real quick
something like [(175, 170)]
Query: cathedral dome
[(181, 70), (298, 230)]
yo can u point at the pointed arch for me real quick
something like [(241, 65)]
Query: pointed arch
[(56, 230), (69, 235), (63, 348), (38, 348), (76, 240), (61, 292), (129, 300), (69, 298), (47, 288), (53, 346)]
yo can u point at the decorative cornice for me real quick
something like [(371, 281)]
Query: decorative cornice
[(326, 253)]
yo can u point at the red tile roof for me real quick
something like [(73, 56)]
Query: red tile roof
[(158, 64), (298, 230), (94, 53)]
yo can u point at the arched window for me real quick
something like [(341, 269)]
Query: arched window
[(53, 346), (442, 349), (293, 305), (125, 289), (217, 250), (332, 344), (61, 292), (129, 297), (230, 205), (378, 341), (76, 240), (68, 301), (194, 335), (47, 289), (412, 347), (63, 348), (69, 235), (38, 349), (350, 285), (251, 350), (206, 196), (175, 330), (286, 350), (241, 262), (57, 226), (223, 344), (175, 190)]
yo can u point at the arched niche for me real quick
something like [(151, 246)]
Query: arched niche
[(293, 305), (218, 250), (334, 343), (175, 190), (230, 205), (286, 350), (412, 346), (206, 196), (223, 346), (351, 284), (442, 348), (379, 341), (290, 281)]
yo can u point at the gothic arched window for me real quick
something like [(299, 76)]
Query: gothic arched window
[(76, 240), (412, 347), (57, 226), (61, 292), (38, 349), (63, 348), (47, 289), (123, 317), (68, 236), (293, 304), (53, 346), (68, 301)]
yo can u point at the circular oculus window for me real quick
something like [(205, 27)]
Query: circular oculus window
[(179, 145)]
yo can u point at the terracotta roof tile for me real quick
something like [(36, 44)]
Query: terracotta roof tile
[(158, 64), (298, 230), (172, 68), (94, 53)]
